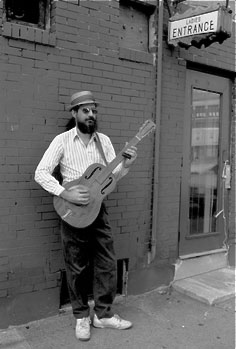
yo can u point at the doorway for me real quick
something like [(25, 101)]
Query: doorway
[(204, 202)]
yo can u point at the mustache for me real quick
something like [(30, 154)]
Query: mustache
[(91, 118)]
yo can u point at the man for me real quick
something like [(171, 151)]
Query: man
[(75, 150)]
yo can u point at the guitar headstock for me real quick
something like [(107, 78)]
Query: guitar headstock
[(145, 129)]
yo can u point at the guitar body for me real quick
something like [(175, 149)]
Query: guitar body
[(81, 216), (100, 181)]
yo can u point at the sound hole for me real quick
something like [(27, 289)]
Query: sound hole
[(111, 180), (92, 173)]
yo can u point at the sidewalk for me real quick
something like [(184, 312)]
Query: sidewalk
[(161, 321)]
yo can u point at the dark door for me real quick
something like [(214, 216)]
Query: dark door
[(203, 207)]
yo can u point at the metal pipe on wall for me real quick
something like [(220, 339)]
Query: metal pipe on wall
[(154, 232)]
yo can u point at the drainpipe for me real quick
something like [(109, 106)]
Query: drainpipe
[(152, 253)]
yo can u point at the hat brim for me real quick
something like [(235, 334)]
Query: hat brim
[(70, 107)]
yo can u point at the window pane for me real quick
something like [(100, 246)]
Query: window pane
[(26, 11), (204, 161)]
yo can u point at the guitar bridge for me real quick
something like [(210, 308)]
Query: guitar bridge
[(68, 213)]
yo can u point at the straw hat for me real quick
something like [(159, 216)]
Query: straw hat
[(83, 97)]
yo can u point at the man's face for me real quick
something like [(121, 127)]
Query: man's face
[(86, 118)]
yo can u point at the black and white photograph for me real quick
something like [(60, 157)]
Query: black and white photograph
[(117, 174)]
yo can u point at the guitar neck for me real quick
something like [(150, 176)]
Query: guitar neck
[(118, 159)]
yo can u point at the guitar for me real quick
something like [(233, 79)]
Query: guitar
[(100, 181)]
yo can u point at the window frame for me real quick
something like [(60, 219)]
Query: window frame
[(29, 31), (41, 24), (129, 54)]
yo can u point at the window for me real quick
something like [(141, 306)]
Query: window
[(134, 24), (29, 20), (29, 12)]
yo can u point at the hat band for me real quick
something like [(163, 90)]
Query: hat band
[(83, 99)]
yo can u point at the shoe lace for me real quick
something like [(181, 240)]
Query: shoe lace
[(117, 317), (85, 322)]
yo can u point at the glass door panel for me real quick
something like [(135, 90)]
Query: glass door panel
[(205, 149), (204, 161)]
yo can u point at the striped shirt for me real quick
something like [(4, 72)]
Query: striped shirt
[(74, 157)]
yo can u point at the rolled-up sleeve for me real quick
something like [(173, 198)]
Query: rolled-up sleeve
[(44, 170)]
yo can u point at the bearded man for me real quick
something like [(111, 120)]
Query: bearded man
[(75, 150)]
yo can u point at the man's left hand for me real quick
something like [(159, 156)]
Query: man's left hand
[(129, 156)]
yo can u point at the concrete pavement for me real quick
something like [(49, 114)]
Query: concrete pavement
[(162, 320), (212, 287)]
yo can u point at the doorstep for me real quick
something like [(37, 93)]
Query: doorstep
[(211, 287)]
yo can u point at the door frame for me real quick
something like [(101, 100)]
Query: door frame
[(198, 244)]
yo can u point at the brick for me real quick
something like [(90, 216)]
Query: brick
[(59, 59), (4, 260), (92, 72), (65, 13), (52, 39), (90, 4)]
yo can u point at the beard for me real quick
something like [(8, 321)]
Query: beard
[(89, 126)]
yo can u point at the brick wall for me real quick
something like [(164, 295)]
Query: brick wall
[(37, 79)]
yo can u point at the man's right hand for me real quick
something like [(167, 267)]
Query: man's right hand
[(78, 195)]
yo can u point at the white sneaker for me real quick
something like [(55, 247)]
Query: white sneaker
[(112, 322), (82, 329)]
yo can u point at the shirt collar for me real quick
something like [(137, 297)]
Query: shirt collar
[(75, 134)]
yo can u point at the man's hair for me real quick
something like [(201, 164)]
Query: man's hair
[(70, 124), (76, 108)]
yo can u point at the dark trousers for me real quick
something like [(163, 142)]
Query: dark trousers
[(85, 248)]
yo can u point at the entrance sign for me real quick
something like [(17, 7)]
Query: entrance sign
[(206, 23), (199, 25)]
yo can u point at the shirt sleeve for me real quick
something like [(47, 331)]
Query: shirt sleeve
[(44, 170), (120, 171)]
